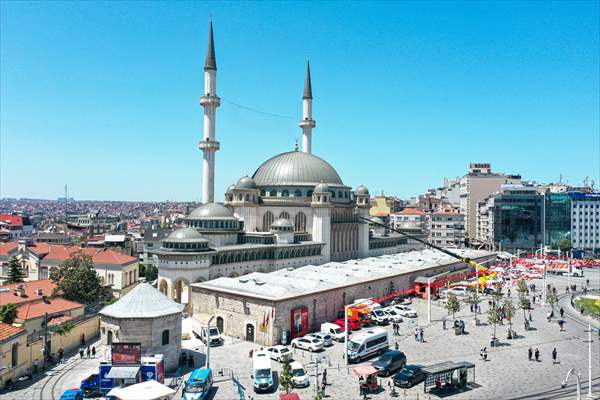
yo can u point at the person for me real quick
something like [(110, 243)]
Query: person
[(81, 353), (28, 373), (60, 354), (530, 353), (562, 312), (421, 335), (183, 358), (396, 346), (554, 354), (587, 282), (561, 323), (323, 388), (35, 366), (361, 385), (325, 377), (548, 316), (508, 292), (417, 334), (444, 323), (93, 351), (567, 289), (533, 299), (88, 352), (191, 361), (438, 383), (537, 354), (530, 317)]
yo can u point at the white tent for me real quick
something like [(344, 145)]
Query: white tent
[(149, 390)]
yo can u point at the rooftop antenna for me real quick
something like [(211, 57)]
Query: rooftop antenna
[(560, 178), (66, 202)]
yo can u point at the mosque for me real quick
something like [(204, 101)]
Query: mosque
[(295, 210)]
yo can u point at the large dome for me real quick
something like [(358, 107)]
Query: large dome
[(211, 211), (296, 168)]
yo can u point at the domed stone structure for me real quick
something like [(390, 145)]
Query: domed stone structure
[(146, 316), (245, 183), (296, 168), (321, 188)]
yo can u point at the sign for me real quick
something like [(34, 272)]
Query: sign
[(154, 371), (126, 353), (299, 321)]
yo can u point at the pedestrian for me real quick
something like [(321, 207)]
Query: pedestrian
[(587, 282), (88, 352), (530, 353), (581, 310), (325, 376), (323, 389), (554, 354), (361, 382), (81, 353), (537, 354), (508, 292), (567, 289), (35, 366), (530, 318), (421, 334), (396, 346), (60, 354), (191, 361), (548, 316), (93, 351), (417, 334), (444, 323), (561, 324)]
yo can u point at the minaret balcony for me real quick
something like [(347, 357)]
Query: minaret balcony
[(209, 145), (308, 123), (208, 100)]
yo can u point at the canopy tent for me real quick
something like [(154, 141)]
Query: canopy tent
[(149, 390), (364, 370)]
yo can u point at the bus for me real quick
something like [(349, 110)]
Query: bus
[(365, 344), (198, 384), (262, 373)]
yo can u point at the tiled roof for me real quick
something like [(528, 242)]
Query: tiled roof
[(57, 252), (412, 211), (7, 331), (12, 219), (8, 294), (7, 248), (59, 320), (50, 306)]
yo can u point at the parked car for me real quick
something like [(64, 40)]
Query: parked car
[(307, 343), (405, 311), (389, 362), (72, 394), (379, 316), (459, 291), (279, 353), (299, 375), (353, 323), (392, 314), (334, 330), (409, 376), (326, 338)]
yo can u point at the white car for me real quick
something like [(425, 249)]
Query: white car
[(307, 343), (299, 375), (460, 291), (326, 338), (405, 311), (379, 316), (392, 314), (279, 353)]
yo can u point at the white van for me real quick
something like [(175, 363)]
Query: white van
[(262, 373), (366, 344), (334, 330)]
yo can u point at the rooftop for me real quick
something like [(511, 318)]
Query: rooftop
[(411, 211), (8, 331), (143, 301), (7, 249), (50, 305), (59, 252), (8, 294), (288, 283)]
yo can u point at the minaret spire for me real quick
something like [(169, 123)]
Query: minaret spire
[(307, 123), (210, 101)]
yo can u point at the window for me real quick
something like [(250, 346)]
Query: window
[(14, 355), (285, 193), (273, 193), (297, 193), (165, 337)]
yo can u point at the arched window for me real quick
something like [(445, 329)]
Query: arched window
[(273, 193), (165, 337), (285, 193), (300, 222), (309, 193), (262, 192), (247, 197), (332, 194), (340, 195), (14, 355), (284, 215), (297, 193), (267, 220)]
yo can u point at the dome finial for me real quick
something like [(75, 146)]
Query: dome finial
[(296, 145)]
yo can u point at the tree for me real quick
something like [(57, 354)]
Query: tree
[(493, 314), (564, 245), (551, 297), (8, 313), (509, 310), (77, 279), (522, 292), (15, 271), (63, 328), (285, 378), (150, 273), (453, 305)]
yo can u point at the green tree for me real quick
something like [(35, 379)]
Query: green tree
[(77, 280), (509, 310), (285, 378), (564, 245), (493, 314), (551, 297), (150, 273), (453, 304), (522, 291), (8, 313), (15, 271), (63, 328)]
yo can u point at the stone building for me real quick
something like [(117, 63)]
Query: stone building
[(146, 316)]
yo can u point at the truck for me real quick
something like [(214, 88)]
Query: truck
[(207, 335)]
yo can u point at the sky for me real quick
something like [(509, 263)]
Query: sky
[(104, 96)]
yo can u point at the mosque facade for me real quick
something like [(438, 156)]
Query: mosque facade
[(295, 210)]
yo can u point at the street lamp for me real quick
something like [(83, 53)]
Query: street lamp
[(207, 336), (346, 307)]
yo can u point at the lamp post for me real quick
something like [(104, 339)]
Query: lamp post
[(590, 395), (346, 307), (578, 377), (429, 300), (207, 336)]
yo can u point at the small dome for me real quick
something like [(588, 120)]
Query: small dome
[(187, 234), (361, 190), (409, 226), (211, 211), (230, 189), (245, 183), (282, 223), (322, 188)]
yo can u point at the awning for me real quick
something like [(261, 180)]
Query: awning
[(149, 390), (364, 370), (123, 372), (289, 396)]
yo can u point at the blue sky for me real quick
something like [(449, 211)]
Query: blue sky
[(104, 95)]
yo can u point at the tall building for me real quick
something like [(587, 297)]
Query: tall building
[(518, 218), (557, 218), (585, 221), (485, 221), (446, 228), (476, 185)]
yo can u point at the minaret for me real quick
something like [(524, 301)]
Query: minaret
[(210, 101), (307, 123)]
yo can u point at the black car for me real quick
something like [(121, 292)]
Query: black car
[(409, 376), (389, 362)]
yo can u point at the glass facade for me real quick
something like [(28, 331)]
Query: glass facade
[(518, 220), (557, 218)]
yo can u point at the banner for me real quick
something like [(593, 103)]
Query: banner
[(299, 321), (126, 353)]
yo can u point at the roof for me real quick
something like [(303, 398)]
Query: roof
[(8, 294), (296, 168), (123, 373), (15, 220), (211, 211), (7, 249), (50, 305), (148, 390), (245, 182), (365, 370), (8, 331), (282, 223), (289, 283), (307, 84), (211, 59), (361, 190), (199, 375), (143, 301), (185, 234), (59, 252), (446, 367), (412, 211)]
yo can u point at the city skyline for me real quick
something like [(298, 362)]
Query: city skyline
[(133, 118)]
